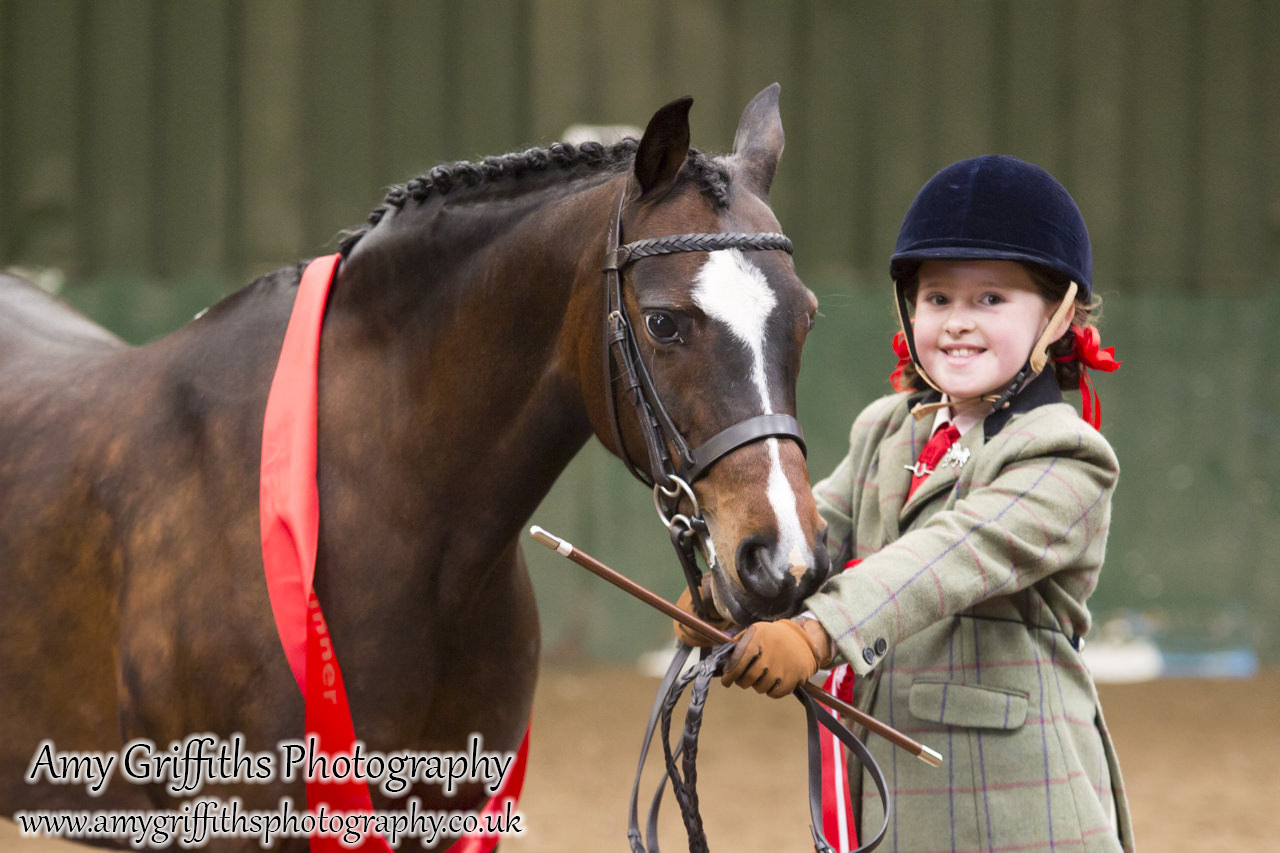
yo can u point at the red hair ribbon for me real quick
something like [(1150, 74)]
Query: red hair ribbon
[(903, 352), (1089, 352)]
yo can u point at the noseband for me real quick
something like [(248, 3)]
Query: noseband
[(672, 478)]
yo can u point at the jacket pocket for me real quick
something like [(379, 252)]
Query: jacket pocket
[(975, 706)]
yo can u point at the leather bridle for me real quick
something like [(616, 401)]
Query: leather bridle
[(672, 478)]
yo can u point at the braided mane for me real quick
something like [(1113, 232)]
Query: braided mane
[(710, 173)]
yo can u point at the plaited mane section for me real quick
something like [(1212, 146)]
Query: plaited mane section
[(589, 158)]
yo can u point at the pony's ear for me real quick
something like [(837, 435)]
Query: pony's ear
[(759, 140), (664, 147)]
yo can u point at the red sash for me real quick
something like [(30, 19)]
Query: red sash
[(837, 805), (289, 508)]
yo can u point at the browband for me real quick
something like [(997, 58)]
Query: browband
[(676, 243)]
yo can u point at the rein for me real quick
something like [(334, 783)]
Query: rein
[(681, 759), (683, 776)]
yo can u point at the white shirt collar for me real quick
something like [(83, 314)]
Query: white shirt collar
[(963, 423)]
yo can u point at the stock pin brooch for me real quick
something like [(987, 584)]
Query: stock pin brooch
[(956, 456)]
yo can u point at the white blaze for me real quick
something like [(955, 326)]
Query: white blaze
[(732, 290)]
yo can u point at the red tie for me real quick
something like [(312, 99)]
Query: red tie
[(943, 438)]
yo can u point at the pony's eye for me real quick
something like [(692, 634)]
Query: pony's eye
[(662, 327)]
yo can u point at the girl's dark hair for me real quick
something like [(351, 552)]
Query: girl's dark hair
[(1053, 287)]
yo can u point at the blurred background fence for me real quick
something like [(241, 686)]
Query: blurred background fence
[(156, 154)]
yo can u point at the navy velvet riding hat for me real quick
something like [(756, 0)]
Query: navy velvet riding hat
[(995, 207)]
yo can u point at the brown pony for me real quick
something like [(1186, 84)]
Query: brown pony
[(461, 368)]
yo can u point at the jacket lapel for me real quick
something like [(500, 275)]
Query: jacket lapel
[(893, 479)]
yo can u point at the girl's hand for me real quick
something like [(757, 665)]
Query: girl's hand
[(777, 657)]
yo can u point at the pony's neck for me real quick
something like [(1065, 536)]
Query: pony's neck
[(455, 336)]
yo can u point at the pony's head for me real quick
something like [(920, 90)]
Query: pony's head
[(715, 325)]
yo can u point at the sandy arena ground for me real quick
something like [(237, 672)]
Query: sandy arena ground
[(1199, 757)]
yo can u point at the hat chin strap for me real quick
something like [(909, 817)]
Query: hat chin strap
[(1035, 362)]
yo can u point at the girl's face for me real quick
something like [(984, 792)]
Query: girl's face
[(975, 323)]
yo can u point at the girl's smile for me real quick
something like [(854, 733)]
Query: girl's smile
[(976, 322)]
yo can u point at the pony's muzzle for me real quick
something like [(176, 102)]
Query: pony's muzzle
[(773, 584)]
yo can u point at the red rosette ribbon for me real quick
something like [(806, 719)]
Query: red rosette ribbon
[(1090, 353), (903, 352)]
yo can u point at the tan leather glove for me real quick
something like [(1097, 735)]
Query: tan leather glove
[(685, 602), (777, 657)]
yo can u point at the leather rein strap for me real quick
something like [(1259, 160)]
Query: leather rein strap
[(681, 759)]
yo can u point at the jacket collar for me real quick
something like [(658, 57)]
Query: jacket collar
[(1040, 391)]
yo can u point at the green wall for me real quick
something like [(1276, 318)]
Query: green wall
[(165, 137), (158, 154)]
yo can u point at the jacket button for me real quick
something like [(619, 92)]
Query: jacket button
[(881, 646), (869, 655)]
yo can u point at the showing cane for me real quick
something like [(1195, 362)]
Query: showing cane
[(622, 582)]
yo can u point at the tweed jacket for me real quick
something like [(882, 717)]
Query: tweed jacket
[(963, 624)]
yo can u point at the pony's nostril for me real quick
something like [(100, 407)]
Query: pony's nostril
[(821, 562), (755, 568)]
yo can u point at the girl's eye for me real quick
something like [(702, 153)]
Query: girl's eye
[(992, 299), (662, 327)]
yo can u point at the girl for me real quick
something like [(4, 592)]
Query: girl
[(972, 511)]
